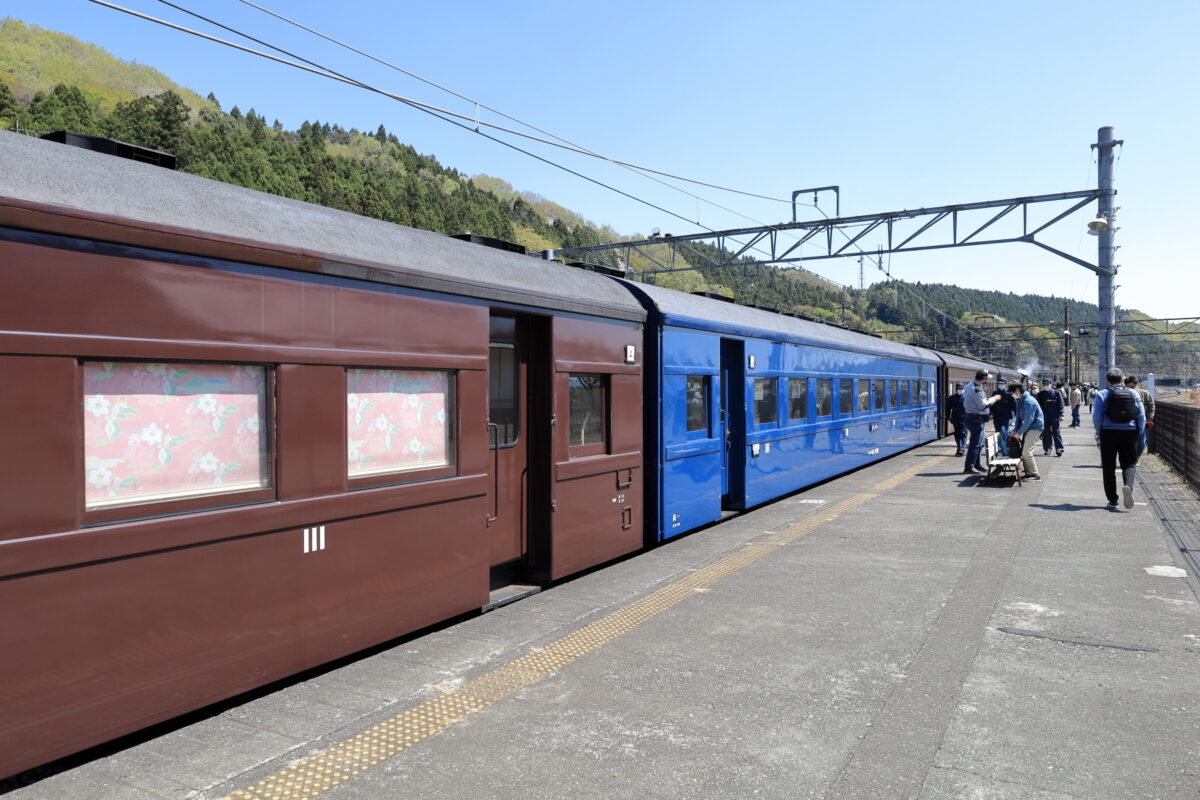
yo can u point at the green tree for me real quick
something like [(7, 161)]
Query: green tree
[(64, 108), (8, 102)]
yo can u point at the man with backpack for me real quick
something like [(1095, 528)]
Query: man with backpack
[(1120, 422), (1051, 401)]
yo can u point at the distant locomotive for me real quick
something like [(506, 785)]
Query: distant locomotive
[(247, 435)]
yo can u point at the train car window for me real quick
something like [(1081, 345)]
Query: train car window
[(893, 394), (878, 387), (503, 394), (864, 395), (697, 403), (157, 432), (797, 398), (824, 397), (924, 392), (588, 409), (765, 400), (845, 396), (398, 421), (910, 393)]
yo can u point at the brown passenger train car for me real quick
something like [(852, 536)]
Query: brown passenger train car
[(246, 435), (958, 369)]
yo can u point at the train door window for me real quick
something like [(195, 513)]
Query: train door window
[(893, 393), (697, 404), (765, 401), (864, 395), (503, 395), (932, 392), (797, 398), (845, 397), (398, 422), (164, 434), (588, 402), (824, 397)]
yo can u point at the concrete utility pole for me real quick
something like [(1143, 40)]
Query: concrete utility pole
[(1107, 321), (1067, 342)]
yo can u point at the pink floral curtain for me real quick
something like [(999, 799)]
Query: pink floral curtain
[(397, 421), (155, 432)]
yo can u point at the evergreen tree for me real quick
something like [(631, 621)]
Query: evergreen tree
[(8, 101)]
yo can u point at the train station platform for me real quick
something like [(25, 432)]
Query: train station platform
[(902, 632)]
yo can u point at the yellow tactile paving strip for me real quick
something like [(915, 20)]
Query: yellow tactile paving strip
[(310, 777)]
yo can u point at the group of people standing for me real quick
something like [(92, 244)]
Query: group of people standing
[(1122, 415)]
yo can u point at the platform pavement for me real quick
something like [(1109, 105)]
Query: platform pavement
[(936, 639)]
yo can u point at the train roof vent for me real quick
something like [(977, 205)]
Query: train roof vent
[(601, 269), (488, 241), (715, 296), (112, 147)]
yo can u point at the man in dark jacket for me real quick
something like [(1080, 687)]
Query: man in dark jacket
[(1003, 411), (958, 419), (1120, 422), (1051, 401)]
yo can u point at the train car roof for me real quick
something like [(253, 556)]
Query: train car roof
[(965, 362), (131, 202), (690, 310)]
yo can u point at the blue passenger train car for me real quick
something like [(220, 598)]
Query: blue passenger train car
[(744, 405)]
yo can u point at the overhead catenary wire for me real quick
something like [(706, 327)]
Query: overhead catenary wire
[(440, 113), (425, 107), (435, 111), (569, 144), (645, 172)]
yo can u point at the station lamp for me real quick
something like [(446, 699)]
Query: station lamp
[(1098, 226)]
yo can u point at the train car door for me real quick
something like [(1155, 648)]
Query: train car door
[(733, 422), (508, 441)]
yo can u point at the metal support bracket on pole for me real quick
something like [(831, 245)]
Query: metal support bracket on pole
[(764, 244)]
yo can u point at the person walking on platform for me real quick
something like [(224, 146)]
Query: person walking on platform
[(1003, 412), (976, 404), (958, 419), (1076, 400), (1051, 401), (1148, 404), (1120, 422), (1028, 428)]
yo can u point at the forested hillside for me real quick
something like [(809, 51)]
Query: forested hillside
[(49, 81)]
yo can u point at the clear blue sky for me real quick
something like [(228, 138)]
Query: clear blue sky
[(901, 104)]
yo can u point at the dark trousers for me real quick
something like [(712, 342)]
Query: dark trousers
[(1116, 445), (1075, 416), (1052, 435), (960, 435), (975, 429), (1150, 439)]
